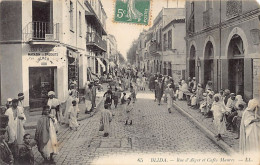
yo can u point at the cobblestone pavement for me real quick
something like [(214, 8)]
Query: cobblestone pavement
[(154, 131)]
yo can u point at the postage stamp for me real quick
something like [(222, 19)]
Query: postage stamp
[(132, 11)]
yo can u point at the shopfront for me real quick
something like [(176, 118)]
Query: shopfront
[(45, 68), (41, 81)]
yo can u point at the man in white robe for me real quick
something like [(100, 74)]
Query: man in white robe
[(250, 130), (54, 105), (15, 127)]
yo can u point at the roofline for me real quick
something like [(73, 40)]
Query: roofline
[(182, 20)]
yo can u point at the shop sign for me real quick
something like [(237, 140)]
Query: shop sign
[(256, 77)]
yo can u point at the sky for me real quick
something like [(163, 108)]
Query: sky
[(126, 33)]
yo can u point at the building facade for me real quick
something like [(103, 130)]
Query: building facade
[(174, 48), (112, 53), (223, 44), (45, 45), (162, 48)]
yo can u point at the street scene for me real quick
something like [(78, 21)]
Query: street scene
[(128, 82)]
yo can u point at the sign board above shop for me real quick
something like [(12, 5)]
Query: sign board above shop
[(43, 54)]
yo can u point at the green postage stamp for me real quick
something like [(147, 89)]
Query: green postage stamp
[(132, 11)]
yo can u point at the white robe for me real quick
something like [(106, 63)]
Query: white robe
[(73, 123), (15, 125), (106, 117), (52, 145), (218, 110), (249, 134)]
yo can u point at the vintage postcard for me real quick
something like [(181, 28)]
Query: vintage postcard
[(130, 82)]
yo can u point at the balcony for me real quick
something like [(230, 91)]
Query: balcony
[(41, 32), (207, 18), (155, 48), (95, 42)]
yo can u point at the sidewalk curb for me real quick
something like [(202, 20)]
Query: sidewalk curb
[(206, 131), (33, 125)]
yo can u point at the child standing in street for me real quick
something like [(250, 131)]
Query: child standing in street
[(169, 95), (73, 111), (218, 109), (129, 111), (106, 118), (116, 96), (133, 93)]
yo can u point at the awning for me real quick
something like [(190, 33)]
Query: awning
[(101, 63), (112, 64)]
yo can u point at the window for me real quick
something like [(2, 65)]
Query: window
[(80, 30), (71, 15), (164, 41), (170, 39), (192, 6)]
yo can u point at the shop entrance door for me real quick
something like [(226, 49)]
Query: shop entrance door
[(236, 76), (41, 81), (208, 71)]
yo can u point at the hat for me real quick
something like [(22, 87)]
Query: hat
[(168, 85), (9, 99), (194, 78), (51, 93)]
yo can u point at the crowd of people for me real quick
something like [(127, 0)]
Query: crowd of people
[(19, 144), (228, 111)]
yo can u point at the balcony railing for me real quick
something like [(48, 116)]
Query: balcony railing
[(207, 18), (95, 41), (154, 47), (41, 31)]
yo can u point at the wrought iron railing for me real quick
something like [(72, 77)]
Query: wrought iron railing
[(154, 47), (94, 38), (207, 18), (41, 31)]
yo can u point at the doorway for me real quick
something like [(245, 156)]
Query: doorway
[(192, 62), (209, 63), (41, 81), (236, 65), (236, 76)]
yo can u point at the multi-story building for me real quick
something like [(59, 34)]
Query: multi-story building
[(112, 52), (162, 23), (47, 44), (223, 44), (95, 40), (174, 46)]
